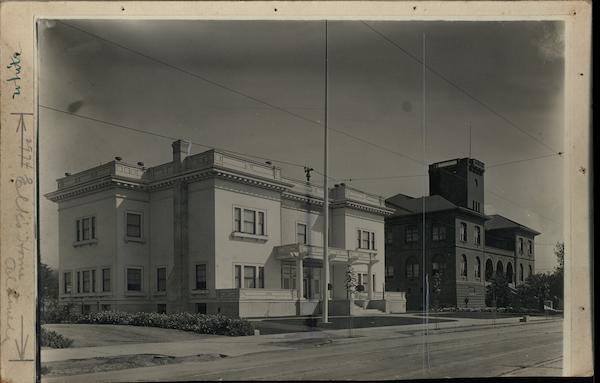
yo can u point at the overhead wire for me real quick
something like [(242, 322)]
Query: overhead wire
[(273, 106)]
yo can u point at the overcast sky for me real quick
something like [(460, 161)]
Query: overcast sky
[(375, 94)]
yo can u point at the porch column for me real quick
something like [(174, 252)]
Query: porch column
[(370, 284), (300, 277)]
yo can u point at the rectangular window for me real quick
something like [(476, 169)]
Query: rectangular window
[(105, 280), (86, 281), (249, 277), (366, 240), (238, 276), (389, 271), (301, 233), (201, 277), (86, 309), (237, 219), (389, 236), (201, 308), (134, 279), (288, 276), (93, 281), (134, 225), (105, 307), (463, 231), (78, 282), (67, 282), (161, 308), (161, 279), (261, 277), (260, 229), (85, 229), (249, 221), (438, 233), (411, 234)]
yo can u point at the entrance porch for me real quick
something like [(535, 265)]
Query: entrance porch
[(304, 263)]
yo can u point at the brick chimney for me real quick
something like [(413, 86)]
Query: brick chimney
[(181, 149)]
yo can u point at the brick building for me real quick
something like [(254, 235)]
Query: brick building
[(448, 232)]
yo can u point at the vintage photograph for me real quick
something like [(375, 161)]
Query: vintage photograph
[(300, 199)]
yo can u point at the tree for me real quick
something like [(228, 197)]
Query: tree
[(436, 289), (559, 251), (350, 281), (557, 281), (49, 282), (536, 289), (498, 293)]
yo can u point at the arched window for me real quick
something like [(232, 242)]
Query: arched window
[(521, 273), (463, 266), (463, 232), (499, 268), (477, 235), (412, 268), (509, 272), (477, 267), (438, 265), (530, 271), (489, 269)]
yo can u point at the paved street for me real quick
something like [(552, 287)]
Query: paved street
[(533, 349)]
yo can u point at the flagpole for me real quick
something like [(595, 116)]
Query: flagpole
[(325, 300)]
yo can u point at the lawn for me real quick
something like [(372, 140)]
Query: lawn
[(473, 314), (282, 326)]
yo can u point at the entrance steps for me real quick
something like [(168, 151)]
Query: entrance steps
[(360, 308)]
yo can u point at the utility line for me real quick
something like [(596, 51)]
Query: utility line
[(255, 99), (159, 135), (500, 164), (459, 88), (237, 92), (523, 160)]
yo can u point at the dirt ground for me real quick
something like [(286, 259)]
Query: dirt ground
[(122, 362)]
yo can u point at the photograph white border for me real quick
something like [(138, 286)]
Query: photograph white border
[(18, 209)]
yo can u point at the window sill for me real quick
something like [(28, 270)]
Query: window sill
[(134, 239), (199, 292), (135, 294), (256, 237), (159, 294), (87, 242)]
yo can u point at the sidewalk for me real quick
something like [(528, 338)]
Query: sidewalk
[(235, 346)]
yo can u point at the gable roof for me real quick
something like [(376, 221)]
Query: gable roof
[(499, 222)]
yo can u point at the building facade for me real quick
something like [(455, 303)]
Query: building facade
[(445, 242), (214, 233)]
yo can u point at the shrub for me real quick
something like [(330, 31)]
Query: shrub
[(52, 312), (55, 340), (199, 323)]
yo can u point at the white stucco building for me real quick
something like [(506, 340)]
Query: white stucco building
[(214, 232)]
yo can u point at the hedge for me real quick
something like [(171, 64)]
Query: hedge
[(199, 323), (55, 340)]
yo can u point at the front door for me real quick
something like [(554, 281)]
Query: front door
[(312, 282)]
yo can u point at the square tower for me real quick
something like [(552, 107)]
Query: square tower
[(460, 181)]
